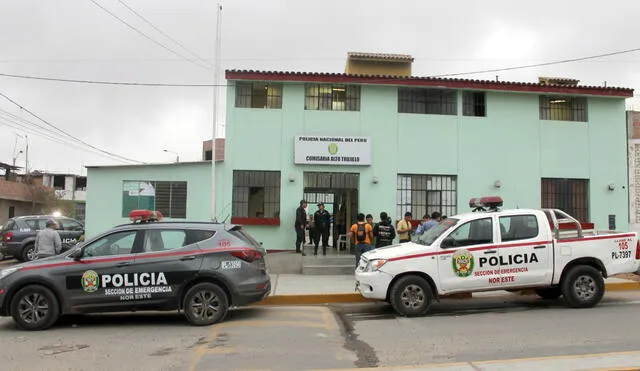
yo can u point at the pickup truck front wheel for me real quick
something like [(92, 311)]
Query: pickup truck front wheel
[(411, 296), (583, 287)]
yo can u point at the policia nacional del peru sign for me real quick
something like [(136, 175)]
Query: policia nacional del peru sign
[(332, 150)]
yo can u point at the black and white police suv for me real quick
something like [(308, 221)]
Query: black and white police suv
[(199, 268)]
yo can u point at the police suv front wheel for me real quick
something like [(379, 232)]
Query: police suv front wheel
[(35, 307), (411, 296), (583, 287), (205, 304)]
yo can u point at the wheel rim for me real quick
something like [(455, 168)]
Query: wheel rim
[(31, 253), (33, 308), (585, 287), (412, 296), (205, 305)]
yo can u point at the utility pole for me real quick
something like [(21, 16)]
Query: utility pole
[(26, 162), (215, 110)]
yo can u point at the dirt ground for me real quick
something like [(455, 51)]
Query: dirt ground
[(628, 276)]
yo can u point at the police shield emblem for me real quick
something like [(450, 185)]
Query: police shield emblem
[(463, 263), (90, 281)]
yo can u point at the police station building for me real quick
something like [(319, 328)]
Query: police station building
[(376, 138)]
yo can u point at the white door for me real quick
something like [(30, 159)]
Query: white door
[(464, 247), (525, 251)]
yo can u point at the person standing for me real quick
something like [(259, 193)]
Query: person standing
[(383, 232), (301, 225), (404, 228), (369, 220), (322, 220), (428, 223), (48, 242), (362, 234)]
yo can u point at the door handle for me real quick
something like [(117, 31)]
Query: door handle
[(490, 252), (122, 264), (188, 257), (540, 247)]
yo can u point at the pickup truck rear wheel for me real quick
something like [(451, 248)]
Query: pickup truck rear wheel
[(411, 296), (583, 287), (549, 293)]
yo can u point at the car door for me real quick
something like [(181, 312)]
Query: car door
[(463, 265), (69, 230), (526, 252), (102, 279), (168, 259)]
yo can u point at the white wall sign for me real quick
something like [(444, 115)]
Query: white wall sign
[(332, 150)]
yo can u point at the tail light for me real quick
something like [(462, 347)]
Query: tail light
[(247, 255), (638, 250), (8, 237)]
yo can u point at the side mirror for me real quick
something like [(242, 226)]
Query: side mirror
[(446, 243), (77, 255)]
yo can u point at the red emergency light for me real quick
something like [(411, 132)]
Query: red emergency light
[(145, 216), (492, 203)]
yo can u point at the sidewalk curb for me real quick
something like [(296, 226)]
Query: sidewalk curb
[(314, 299)]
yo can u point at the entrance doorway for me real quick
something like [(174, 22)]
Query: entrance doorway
[(339, 192)]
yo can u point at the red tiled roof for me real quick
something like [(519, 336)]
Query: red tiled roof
[(394, 57), (435, 82)]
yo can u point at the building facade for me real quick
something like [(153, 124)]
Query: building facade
[(370, 143), (71, 189)]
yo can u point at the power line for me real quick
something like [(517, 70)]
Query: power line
[(164, 33), (149, 38), (540, 64), (67, 134), (97, 82)]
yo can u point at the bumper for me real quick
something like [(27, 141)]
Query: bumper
[(373, 285), (10, 249), (253, 294)]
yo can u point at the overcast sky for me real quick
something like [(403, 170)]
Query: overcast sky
[(75, 39)]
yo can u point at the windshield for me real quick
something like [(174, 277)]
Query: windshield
[(433, 233)]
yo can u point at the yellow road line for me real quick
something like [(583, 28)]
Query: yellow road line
[(510, 360)]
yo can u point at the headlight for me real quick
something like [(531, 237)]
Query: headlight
[(8, 271), (374, 265)]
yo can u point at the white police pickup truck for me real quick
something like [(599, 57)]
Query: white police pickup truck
[(491, 249)]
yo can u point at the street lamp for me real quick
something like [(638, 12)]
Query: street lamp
[(16, 157), (175, 153)]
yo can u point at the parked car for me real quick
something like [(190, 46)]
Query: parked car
[(18, 235), (199, 268), (545, 250)]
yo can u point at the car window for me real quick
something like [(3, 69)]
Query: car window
[(163, 240), (70, 225), (36, 224), (195, 236), (119, 243), (518, 227), (9, 226), (475, 232), (238, 232)]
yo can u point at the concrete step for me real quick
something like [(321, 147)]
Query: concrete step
[(329, 260), (329, 270)]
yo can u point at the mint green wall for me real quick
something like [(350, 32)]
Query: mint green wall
[(104, 200)]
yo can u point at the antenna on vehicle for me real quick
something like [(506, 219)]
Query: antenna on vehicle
[(515, 192)]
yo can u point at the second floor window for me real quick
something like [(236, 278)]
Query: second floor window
[(326, 97), (563, 108), (427, 101), (258, 95)]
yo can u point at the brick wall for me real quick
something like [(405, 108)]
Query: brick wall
[(206, 147)]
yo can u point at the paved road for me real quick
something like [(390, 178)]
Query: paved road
[(470, 333)]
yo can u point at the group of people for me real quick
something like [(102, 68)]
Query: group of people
[(365, 234)]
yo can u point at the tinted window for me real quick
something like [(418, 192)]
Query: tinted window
[(475, 232), (36, 224), (10, 226), (163, 240), (518, 227), (244, 236), (197, 236), (120, 243), (70, 225)]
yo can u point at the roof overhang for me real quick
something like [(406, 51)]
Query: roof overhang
[(434, 82)]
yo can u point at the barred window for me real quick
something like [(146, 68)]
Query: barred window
[(170, 198), (258, 95), (568, 195), (322, 97), (563, 108), (256, 194), (474, 103), (424, 194), (427, 101)]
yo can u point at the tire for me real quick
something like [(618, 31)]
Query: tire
[(549, 293), (28, 253), (583, 287), (202, 293), (411, 296), (23, 312)]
